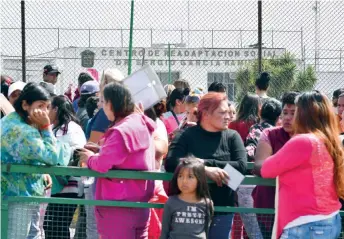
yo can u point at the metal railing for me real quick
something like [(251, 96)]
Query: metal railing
[(120, 174)]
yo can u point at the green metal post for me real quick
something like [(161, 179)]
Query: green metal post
[(169, 63), (4, 218), (131, 37)]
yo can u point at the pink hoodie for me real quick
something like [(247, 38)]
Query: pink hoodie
[(129, 146)]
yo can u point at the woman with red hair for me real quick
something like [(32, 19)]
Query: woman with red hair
[(212, 141)]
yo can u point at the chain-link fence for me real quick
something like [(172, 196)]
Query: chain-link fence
[(70, 221), (199, 41)]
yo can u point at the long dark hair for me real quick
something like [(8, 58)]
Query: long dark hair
[(65, 113), (249, 109), (120, 98), (202, 190), (32, 92)]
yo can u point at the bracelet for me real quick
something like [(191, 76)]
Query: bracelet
[(45, 127)]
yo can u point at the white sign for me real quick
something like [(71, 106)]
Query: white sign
[(192, 57), (145, 86), (235, 177), (179, 54)]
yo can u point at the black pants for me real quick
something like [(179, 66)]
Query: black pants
[(58, 218)]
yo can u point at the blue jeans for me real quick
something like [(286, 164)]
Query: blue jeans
[(324, 229), (220, 227)]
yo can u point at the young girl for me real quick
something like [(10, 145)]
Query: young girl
[(188, 211)]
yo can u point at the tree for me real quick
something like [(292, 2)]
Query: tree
[(284, 74)]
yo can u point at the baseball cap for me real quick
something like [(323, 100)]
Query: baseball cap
[(51, 69), (89, 87), (18, 85)]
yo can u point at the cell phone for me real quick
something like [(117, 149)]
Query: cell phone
[(76, 158)]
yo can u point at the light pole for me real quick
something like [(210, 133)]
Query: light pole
[(131, 37), (188, 23), (169, 63), (316, 9), (23, 35), (260, 36)]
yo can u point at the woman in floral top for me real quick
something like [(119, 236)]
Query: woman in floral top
[(26, 138)]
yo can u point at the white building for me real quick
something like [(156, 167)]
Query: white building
[(200, 66)]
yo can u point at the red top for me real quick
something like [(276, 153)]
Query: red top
[(306, 179), (264, 196), (242, 127)]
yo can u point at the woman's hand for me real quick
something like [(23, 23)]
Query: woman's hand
[(39, 118), (139, 108), (84, 154), (218, 175), (92, 147), (48, 181), (69, 89)]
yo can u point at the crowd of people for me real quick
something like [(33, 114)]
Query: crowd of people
[(193, 133)]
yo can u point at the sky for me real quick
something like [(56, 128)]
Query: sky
[(297, 26), (218, 24)]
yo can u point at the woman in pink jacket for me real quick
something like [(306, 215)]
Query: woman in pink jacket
[(310, 167), (127, 145)]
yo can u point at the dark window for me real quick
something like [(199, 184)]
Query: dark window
[(175, 75)]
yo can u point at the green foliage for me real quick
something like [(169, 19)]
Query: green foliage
[(284, 74)]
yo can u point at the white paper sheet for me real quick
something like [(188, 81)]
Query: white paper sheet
[(145, 87), (235, 177)]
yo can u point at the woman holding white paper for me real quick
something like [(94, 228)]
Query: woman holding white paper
[(212, 141)]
